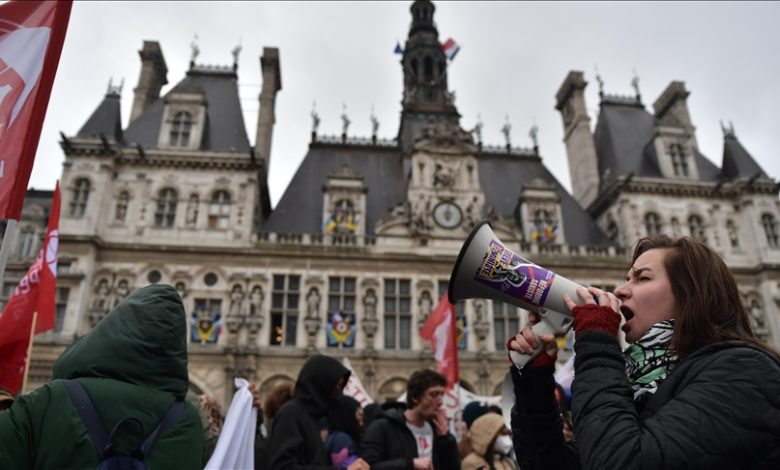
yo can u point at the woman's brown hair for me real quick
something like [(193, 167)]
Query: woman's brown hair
[(280, 395), (709, 309)]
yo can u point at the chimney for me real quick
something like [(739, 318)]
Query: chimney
[(671, 108), (151, 80), (580, 146), (272, 83)]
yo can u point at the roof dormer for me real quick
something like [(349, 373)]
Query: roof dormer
[(674, 139), (184, 119)]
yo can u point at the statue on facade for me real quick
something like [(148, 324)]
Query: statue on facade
[(195, 49), (533, 135), (191, 213), (374, 124), (121, 291), (426, 304), (315, 118), (236, 297), (344, 121), (181, 289), (236, 50), (477, 131), (444, 176), (256, 300), (102, 291), (506, 129), (313, 303), (369, 304)]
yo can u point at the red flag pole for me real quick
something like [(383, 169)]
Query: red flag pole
[(29, 353)]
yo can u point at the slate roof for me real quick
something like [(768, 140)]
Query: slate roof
[(624, 145), (501, 178), (300, 208), (105, 120), (225, 130), (737, 161)]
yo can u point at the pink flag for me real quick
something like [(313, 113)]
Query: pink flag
[(35, 293), (31, 38), (440, 329)]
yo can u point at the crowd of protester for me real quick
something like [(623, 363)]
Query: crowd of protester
[(694, 389)]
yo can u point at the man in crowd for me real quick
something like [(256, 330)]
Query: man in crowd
[(417, 437)]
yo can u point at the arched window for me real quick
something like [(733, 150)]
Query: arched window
[(679, 160), (770, 229), (652, 223), (428, 69), (733, 233), (180, 129), (165, 214), (122, 201), (219, 210), (80, 195), (696, 227)]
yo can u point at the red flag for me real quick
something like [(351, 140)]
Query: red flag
[(440, 329), (31, 38), (35, 293)]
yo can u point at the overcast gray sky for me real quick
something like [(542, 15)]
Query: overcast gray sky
[(513, 58)]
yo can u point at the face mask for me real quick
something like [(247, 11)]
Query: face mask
[(503, 445)]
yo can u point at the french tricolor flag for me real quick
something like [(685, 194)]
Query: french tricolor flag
[(450, 48)]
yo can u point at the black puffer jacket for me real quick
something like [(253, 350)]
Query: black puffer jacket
[(719, 408), (295, 441), (389, 445)]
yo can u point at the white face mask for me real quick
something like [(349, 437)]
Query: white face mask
[(503, 445)]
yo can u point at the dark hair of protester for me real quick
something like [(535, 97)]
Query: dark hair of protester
[(708, 300), (421, 381), (472, 411), (370, 412), (278, 397), (344, 418)]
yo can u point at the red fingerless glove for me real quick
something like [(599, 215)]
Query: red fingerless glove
[(591, 317), (543, 359)]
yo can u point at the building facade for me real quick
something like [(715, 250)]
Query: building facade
[(360, 247)]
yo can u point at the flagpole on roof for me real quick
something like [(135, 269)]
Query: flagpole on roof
[(8, 240)]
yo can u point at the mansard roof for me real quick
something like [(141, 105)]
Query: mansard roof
[(225, 130), (385, 173), (502, 177), (624, 144), (106, 120), (737, 162), (300, 208)]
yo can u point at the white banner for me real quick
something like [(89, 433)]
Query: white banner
[(354, 387)]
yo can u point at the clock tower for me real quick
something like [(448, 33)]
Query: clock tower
[(444, 195)]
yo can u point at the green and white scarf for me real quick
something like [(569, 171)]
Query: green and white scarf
[(649, 360)]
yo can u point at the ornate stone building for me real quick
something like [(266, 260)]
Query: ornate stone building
[(360, 246)]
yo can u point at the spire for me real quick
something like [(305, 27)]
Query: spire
[(426, 98), (737, 161)]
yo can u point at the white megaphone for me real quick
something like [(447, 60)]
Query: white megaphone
[(487, 269)]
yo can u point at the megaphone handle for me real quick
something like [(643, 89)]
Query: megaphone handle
[(521, 359)]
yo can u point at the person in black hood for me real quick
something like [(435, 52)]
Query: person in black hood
[(295, 438), (345, 425)]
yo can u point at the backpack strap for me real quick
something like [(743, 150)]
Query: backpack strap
[(88, 414), (171, 416)]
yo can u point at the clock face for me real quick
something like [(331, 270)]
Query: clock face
[(447, 215)]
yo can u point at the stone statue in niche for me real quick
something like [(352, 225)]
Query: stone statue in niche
[(426, 304), (369, 304), (121, 291), (102, 292), (191, 213), (479, 310), (757, 318), (181, 289), (313, 303), (256, 300), (236, 297)]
